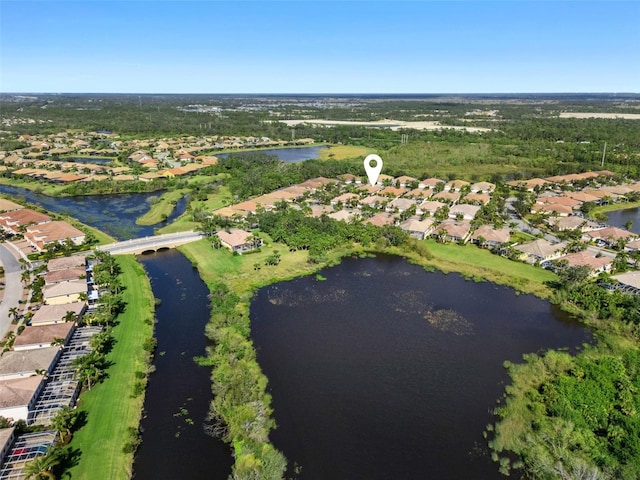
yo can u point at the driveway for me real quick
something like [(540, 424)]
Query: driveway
[(12, 287)]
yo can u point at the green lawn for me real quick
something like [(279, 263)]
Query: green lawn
[(341, 152), (111, 408), (221, 198), (162, 208), (239, 272), (476, 263)]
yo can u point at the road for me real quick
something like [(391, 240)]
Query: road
[(151, 243), (12, 288)]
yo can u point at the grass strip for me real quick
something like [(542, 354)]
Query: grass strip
[(114, 407), (162, 208)]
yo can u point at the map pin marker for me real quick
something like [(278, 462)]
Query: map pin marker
[(373, 172)]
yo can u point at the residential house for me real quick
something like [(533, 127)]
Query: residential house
[(41, 235), (345, 199), (18, 396), (464, 211), (41, 336), (540, 250), (419, 193), (431, 206), (25, 363), (552, 209), (628, 282), (57, 313), (66, 275), (380, 219), (609, 235), (449, 197), (400, 204), (64, 293), (8, 205), (392, 191), (419, 229), (238, 240), (63, 263), (15, 220), (405, 181), (571, 223), (491, 236), (430, 183), (482, 187), (453, 231), (455, 185), (374, 201), (530, 185), (589, 259), (342, 215), (477, 198)]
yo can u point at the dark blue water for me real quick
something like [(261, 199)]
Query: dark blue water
[(94, 160), (618, 218), (288, 155), (385, 371), (113, 214), (174, 442)]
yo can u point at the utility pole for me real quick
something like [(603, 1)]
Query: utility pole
[(604, 152)]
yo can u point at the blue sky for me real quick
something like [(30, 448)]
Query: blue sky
[(319, 46)]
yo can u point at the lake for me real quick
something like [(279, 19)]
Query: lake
[(287, 155), (113, 214), (618, 218), (387, 371)]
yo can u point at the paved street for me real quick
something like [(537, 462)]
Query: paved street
[(12, 288)]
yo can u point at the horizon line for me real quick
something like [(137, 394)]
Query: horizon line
[(612, 93)]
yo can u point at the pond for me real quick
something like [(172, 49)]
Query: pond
[(113, 214), (618, 218), (287, 155), (386, 371)]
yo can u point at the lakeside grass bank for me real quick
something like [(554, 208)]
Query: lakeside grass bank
[(114, 407)]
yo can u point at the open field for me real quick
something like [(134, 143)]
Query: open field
[(112, 408), (342, 152), (390, 124), (626, 116)]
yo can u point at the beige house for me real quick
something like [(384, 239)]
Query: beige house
[(419, 229), (491, 236), (25, 363), (42, 336), (238, 240), (52, 314), (63, 293), (540, 250), (19, 395)]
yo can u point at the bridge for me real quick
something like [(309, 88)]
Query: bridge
[(150, 244)]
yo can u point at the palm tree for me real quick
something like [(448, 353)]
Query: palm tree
[(43, 466), (69, 316), (65, 421), (14, 311)]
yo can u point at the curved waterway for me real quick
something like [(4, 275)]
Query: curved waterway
[(386, 371), (113, 214), (174, 442)]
